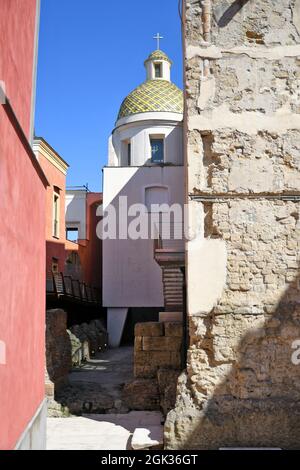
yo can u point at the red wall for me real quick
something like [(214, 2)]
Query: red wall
[(95, 244), (90, 252), (17, 30), (22, 234)]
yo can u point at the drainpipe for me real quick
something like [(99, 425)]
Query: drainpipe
[(206, 25), (206, 19), (185, 342)]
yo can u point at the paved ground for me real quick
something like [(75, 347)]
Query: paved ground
[(96, 386), (98, 432), (109, 368)]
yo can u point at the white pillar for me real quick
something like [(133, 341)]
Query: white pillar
[(116, 318)]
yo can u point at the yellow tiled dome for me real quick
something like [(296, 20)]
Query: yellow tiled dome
[(153, 96), (158, 55)]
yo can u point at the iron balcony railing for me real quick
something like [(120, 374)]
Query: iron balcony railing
[(61, 285)]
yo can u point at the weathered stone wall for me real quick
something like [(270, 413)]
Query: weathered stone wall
[(157, 365), (241, 387), (67, 348), (58, 350)]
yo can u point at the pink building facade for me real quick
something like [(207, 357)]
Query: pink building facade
[(22, 235)]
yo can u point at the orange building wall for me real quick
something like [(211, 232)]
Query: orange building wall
[(55, 247), (91, 254), (90, 250)]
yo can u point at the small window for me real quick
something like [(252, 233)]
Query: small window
[(129, 154), (157, 150), (56, 215), (157, 68), (72, 234)]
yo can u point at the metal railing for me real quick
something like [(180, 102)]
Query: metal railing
[(61, 285)]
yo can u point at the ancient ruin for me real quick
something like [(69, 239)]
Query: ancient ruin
[(241, 385)]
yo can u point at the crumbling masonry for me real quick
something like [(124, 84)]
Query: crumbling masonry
[(241, 386)]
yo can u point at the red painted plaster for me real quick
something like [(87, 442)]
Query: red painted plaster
[(90, 250), (22, 233), (17, 28)]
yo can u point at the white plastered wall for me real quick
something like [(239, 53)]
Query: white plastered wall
[(139, 132), (131, 277), (76, 211)]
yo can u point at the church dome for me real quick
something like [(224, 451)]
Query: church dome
[(153, 96), (157, 93)]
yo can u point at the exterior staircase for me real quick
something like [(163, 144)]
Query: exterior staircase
[(170, 255), (173, 288)]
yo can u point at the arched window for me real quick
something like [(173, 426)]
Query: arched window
[(156, 196)]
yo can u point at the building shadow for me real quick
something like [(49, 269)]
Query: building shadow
[(231, 11), (131, 276), (251, 398)]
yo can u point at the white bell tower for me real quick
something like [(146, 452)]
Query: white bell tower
[(158, 65)]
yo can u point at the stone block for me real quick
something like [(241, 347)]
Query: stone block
[(141, 357), (176, 359), (174, 329), (164, 343), (142, 394), (167, 384), (149, 329), (145, 371), (138, 343), (161, 358), (153, 358)]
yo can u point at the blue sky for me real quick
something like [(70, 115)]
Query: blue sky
[(91, 55)]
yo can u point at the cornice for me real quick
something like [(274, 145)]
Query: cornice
[(41, 146)]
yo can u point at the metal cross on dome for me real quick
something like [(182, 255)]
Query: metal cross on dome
[(158, 37)]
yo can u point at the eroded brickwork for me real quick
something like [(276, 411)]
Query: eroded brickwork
[(241, 387)]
